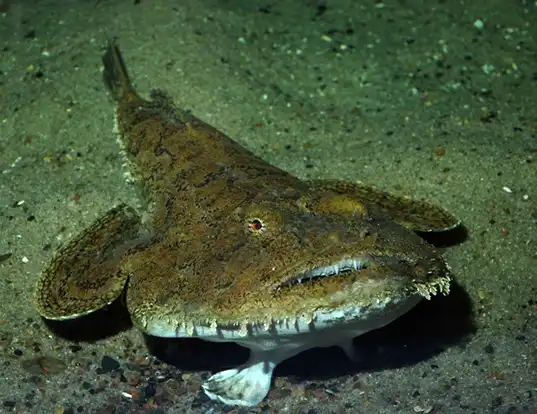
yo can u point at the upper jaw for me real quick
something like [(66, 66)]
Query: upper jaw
[(377, 266)]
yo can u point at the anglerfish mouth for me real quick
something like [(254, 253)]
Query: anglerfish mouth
[(339, 268)]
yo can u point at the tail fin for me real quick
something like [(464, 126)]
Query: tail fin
[(115, 74)]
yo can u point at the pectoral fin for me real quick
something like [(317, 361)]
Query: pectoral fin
[(416, 215), (85, 274)]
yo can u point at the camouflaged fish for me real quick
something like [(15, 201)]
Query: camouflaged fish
[(236, 250)]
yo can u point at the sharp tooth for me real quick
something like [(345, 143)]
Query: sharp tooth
[(343, 266)]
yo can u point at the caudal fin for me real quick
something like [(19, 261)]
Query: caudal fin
[(115, 74)]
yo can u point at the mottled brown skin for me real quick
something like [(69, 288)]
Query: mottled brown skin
[(229, 232), (231, 248)]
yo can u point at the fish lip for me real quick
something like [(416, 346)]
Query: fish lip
[(343, 266)]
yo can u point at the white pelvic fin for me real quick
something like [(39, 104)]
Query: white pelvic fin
[(246, 385)]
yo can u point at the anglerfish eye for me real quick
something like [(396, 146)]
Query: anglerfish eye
[(255, 225)]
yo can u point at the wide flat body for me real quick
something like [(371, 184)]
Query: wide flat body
[(231, 248)]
